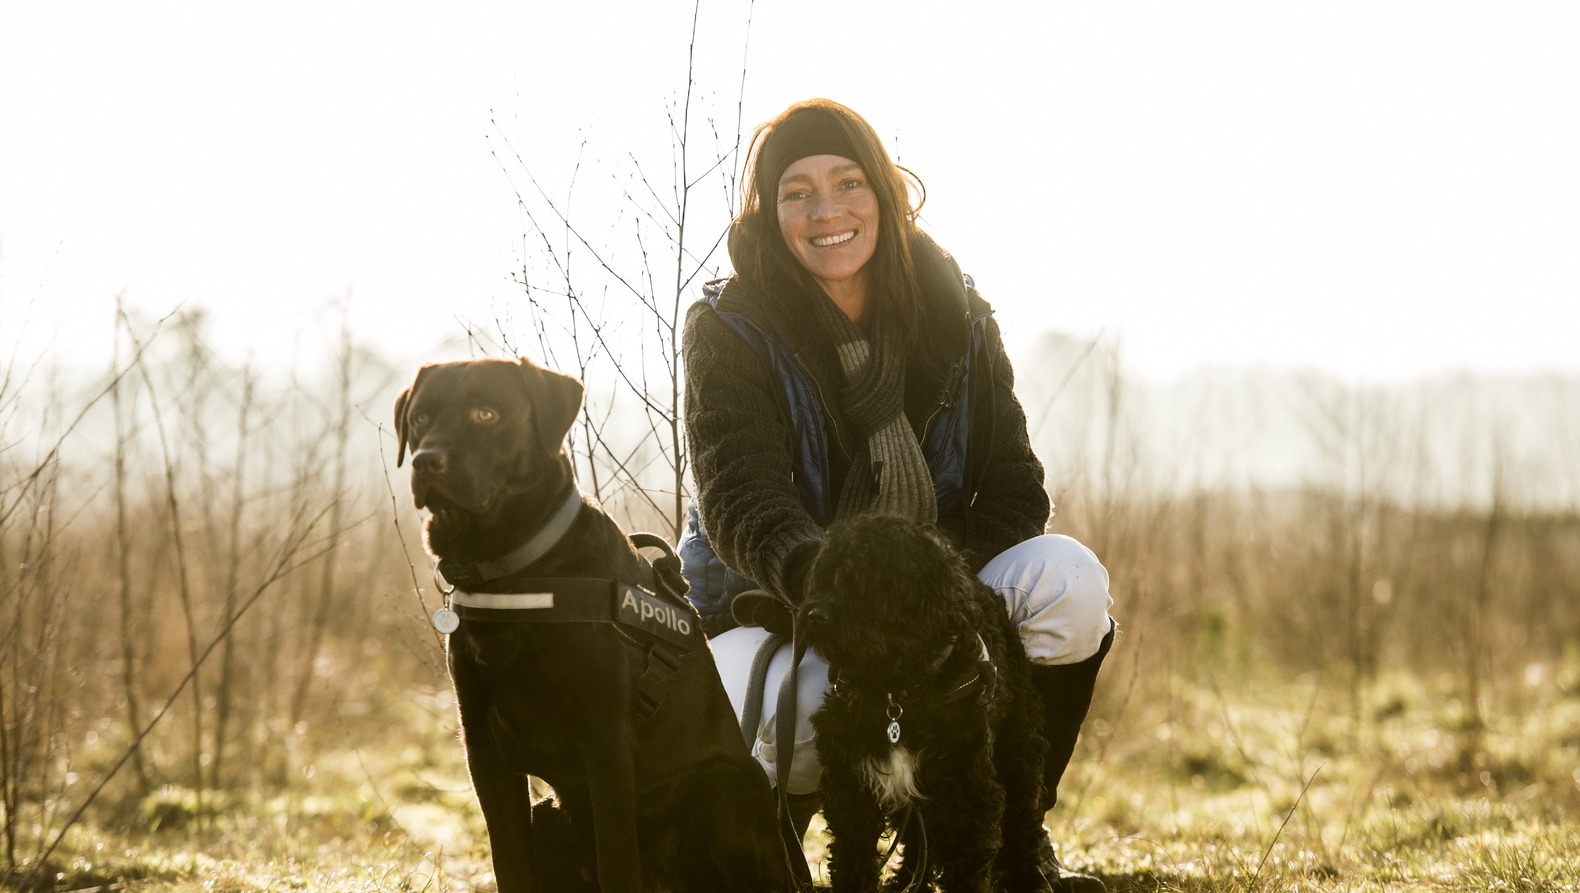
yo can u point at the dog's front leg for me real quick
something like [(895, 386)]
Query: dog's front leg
[(611, 782), (965, 828), (506, 800), (854, 824), (1018, 757)]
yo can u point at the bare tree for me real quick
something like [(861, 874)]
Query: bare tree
[(588, 315)]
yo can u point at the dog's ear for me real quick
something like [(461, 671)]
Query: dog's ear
[(556, 399), (967, 583), (402, 416)]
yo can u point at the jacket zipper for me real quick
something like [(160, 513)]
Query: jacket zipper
[(927, 426), (823, 401), (949, 399)]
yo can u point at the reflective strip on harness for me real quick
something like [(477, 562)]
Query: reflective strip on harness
[(504, 601)]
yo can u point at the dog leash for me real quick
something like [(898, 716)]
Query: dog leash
[(784, 740), (756, 681), (784, 734), (919, 877)]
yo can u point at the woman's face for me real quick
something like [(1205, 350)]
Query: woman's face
[(828, 215)]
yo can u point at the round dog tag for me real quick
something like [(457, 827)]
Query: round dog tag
[(446, 621), (894, 732)]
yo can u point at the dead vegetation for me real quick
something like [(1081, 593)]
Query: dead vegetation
[(216, 671)]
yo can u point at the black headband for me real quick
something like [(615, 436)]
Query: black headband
[(807, 132)]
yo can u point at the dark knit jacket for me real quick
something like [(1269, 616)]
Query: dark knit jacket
[(742, 448)]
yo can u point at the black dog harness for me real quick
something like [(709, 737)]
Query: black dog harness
[(653, 606)]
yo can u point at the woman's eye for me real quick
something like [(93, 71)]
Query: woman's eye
[(484, 415), (851, 184), (792, 196)]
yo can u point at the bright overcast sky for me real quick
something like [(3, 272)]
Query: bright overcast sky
[(1380, 189)]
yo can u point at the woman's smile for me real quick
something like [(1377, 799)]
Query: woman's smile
[(827, 241)]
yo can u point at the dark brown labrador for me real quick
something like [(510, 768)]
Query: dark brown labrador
[(570, 662)]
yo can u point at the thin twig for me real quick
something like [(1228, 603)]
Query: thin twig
[(1291, 814)]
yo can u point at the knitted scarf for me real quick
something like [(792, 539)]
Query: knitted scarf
[(888, 473)]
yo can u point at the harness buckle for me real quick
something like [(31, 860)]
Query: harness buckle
[(460, 575)]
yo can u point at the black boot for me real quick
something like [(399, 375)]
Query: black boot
[(1066, 693), (1062, 879)]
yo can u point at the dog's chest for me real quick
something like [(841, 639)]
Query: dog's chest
[(891, 776)]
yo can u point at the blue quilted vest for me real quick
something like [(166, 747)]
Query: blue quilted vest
[(946, 439)]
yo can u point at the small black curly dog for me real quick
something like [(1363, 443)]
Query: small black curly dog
[(930, 724)]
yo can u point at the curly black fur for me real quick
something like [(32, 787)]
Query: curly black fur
[(898, 616)]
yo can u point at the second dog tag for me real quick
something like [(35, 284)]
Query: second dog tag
[(894, 732), (894, 712)]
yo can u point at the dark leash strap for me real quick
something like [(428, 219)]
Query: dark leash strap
[(784, 741), (750, 608), (752, 711), (919, 875)]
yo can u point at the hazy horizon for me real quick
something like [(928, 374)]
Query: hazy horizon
[(1381, 194)]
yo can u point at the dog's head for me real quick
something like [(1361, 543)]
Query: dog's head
[(481, 432), (887, 601)]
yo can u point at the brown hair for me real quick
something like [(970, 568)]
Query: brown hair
[(757, 246)]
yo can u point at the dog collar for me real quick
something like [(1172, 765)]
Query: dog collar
[(981, 677), (459, 574), (984, 672)]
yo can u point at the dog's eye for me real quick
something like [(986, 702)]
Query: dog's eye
[(484, 415), (420, 420)]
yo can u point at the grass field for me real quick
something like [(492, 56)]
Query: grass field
[(216, 671), (1216, 788)]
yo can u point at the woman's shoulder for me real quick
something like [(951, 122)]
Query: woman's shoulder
[(977, 307), (949, 288), (728, 294), (728, 318), (740, 305)]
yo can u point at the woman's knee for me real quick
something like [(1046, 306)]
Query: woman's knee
[(734, 652), (1056, 591)]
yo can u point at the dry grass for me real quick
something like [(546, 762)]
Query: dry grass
[(216, 672), (1259, 787)]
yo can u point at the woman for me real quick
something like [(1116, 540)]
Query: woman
[(848, 367)]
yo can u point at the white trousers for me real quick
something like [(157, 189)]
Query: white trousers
[(1054, 587)]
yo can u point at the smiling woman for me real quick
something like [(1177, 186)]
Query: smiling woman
[(850, 369)]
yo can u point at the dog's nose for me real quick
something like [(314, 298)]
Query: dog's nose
[(818, 614), (430, 460)]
